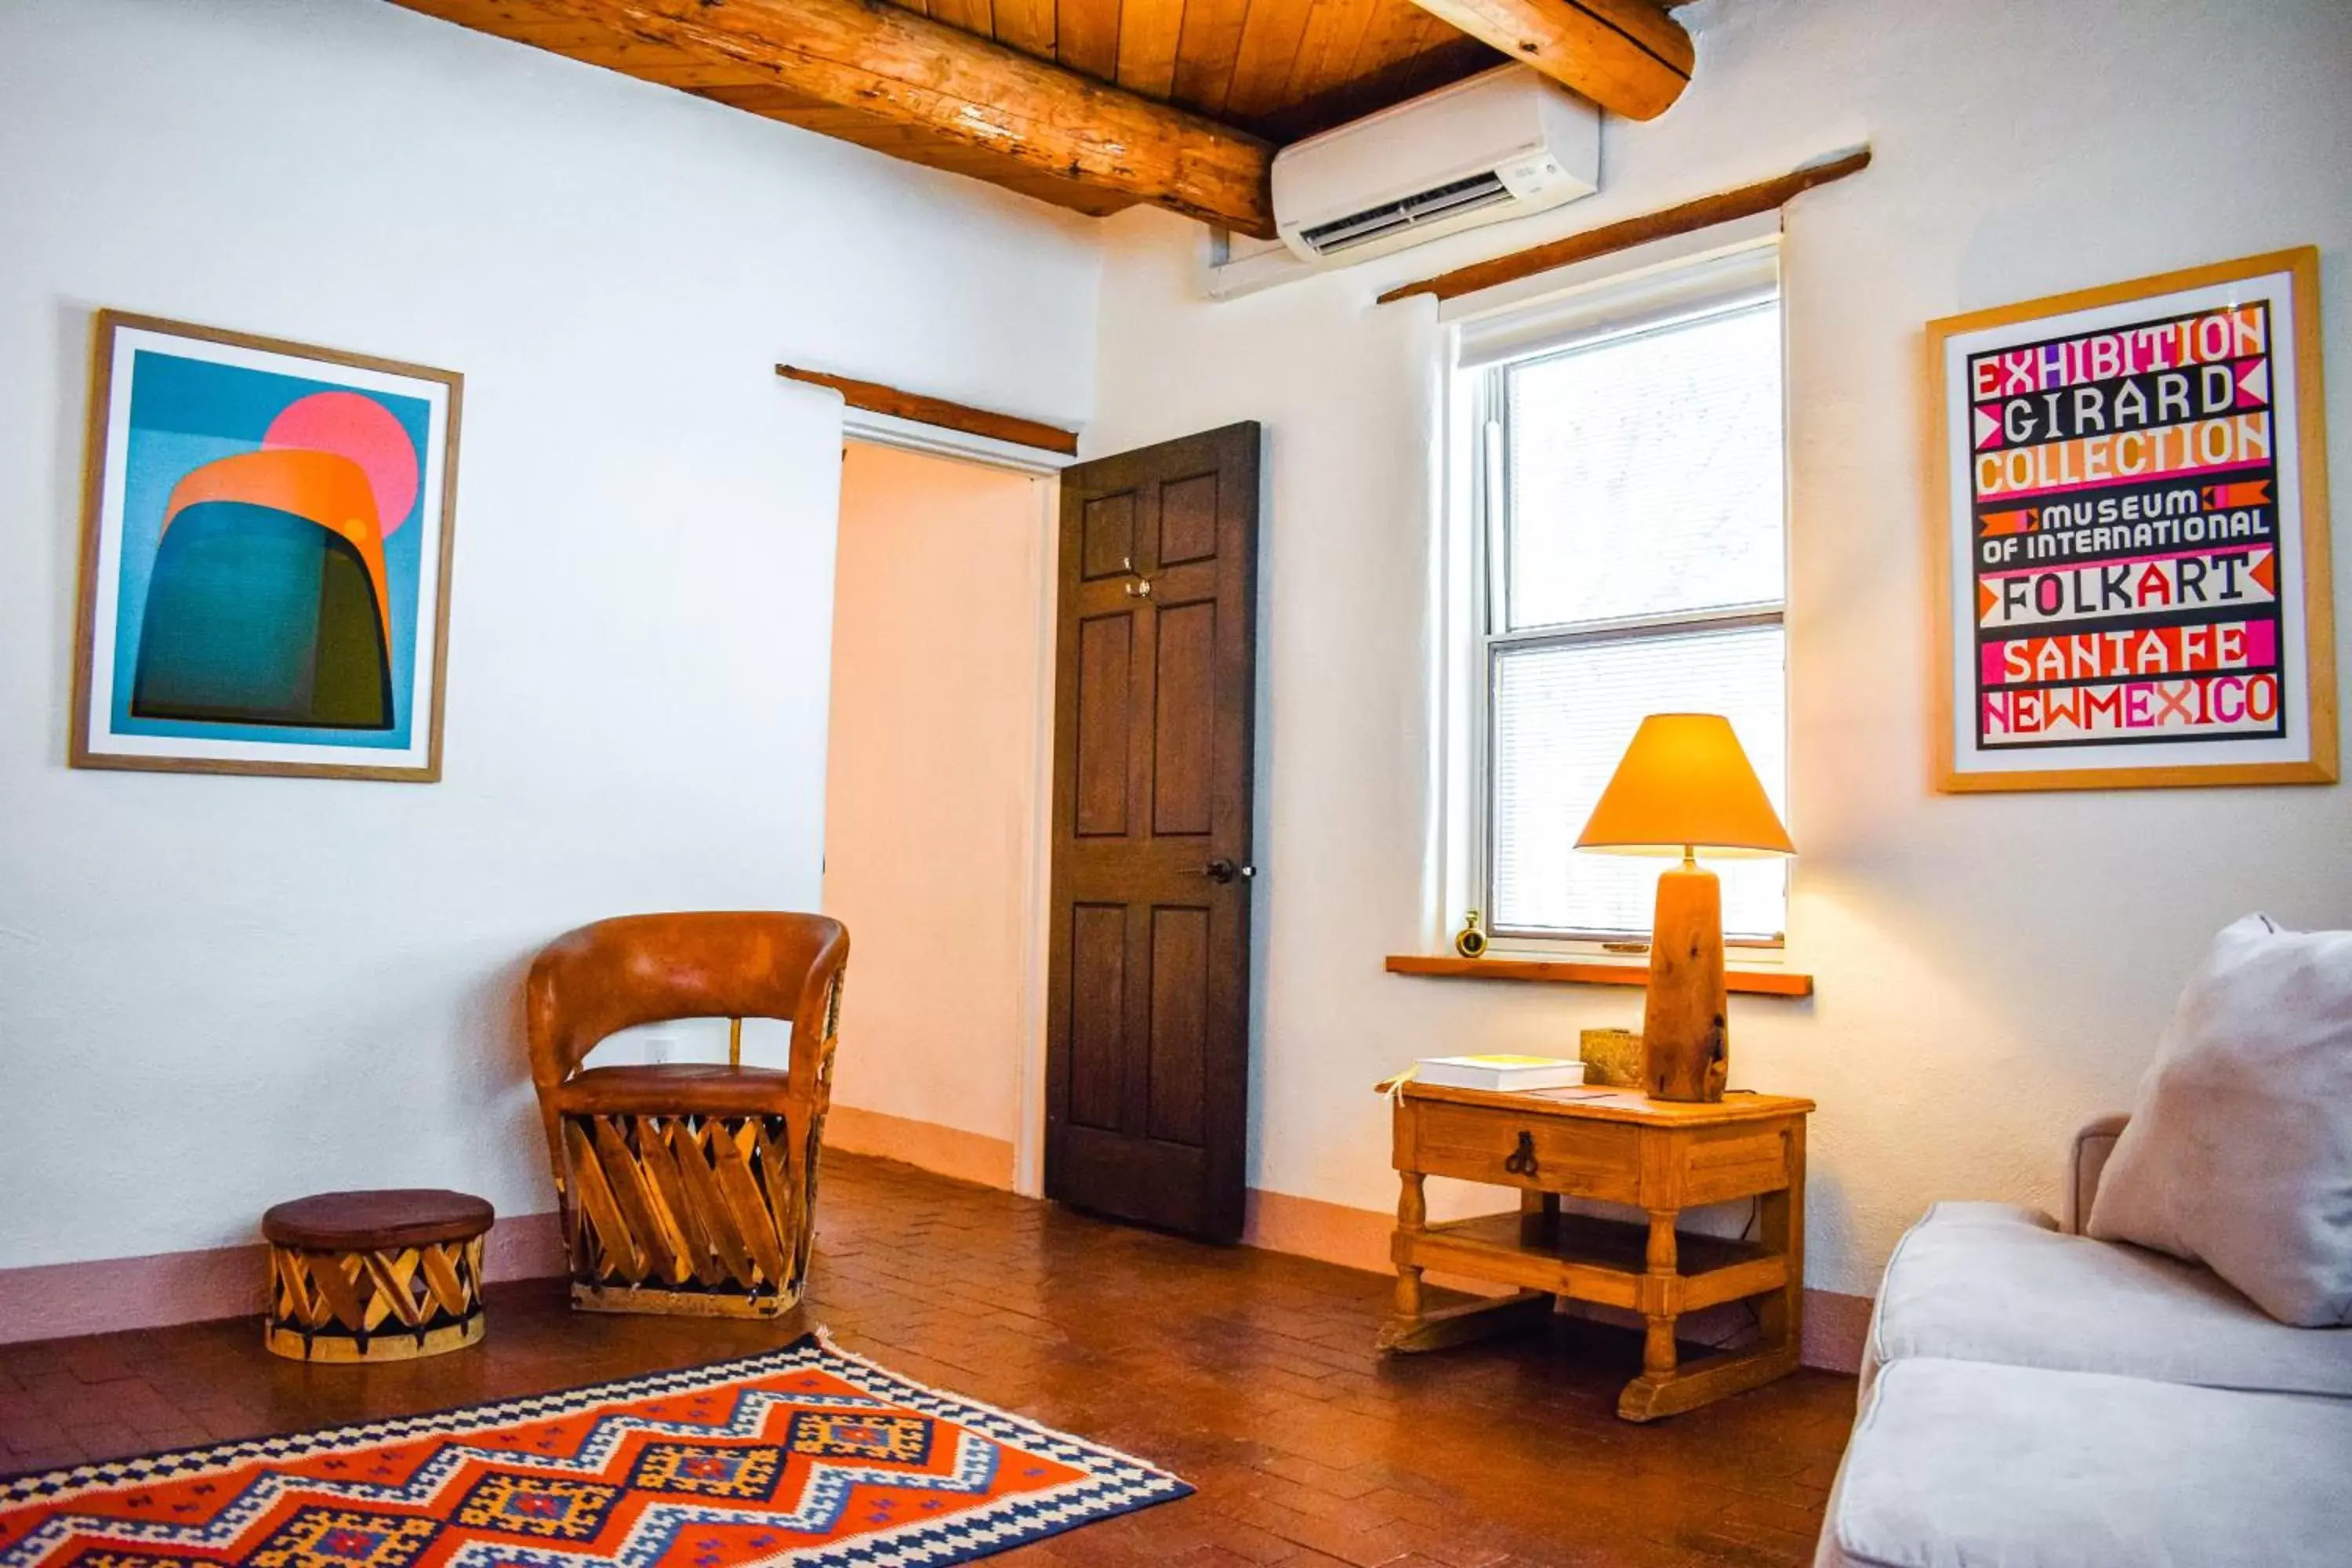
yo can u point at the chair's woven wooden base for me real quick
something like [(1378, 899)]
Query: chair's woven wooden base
[(369, 1306), (693, 1216), (678, 1303)]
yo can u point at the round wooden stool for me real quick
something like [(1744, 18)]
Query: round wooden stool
[(383, 1276)]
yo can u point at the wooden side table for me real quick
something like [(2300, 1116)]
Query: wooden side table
[(1620, 1147)]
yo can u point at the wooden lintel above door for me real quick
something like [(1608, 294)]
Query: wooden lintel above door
[(877, 398)]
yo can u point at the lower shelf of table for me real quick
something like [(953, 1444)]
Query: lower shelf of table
[(1592, 1259)]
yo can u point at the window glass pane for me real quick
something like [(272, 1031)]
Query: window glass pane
[(1644, 473), (1563, 716)]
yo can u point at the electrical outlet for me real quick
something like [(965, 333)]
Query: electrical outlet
[(656, 1049)]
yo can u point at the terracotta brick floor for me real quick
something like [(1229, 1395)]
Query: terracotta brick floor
[(1249, 1373)]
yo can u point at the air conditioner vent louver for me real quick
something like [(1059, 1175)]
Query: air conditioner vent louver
[(1425, 206)]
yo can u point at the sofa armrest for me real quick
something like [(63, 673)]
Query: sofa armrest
[(2093, 1144)]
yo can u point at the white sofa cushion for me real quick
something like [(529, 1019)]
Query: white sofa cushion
[(1970, 1465), (1991, 1283), (2239, 1152)]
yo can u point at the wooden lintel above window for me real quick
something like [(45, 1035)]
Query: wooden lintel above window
[(1725, 207), (1573, 972), (877, 398)]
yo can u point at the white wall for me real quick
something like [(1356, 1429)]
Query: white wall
[(932, 778), (1991, 970), (215, 992)]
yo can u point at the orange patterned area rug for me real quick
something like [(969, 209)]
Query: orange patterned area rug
[(807, 1456)]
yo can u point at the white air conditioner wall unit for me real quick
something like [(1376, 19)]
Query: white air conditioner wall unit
[(1501, 144)]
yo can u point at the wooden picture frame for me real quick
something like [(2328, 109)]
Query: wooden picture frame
[(2130, 543), (247, 604)]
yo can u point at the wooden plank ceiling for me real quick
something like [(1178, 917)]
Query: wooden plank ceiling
[(1278, 68), (1272, 70)]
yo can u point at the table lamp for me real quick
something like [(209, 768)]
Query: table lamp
[(1683, 785)]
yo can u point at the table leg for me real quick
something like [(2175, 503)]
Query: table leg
[(1780, 1227), (1668, 1386), (1538, 1219), (1414, 1327), (1412, 1214), (1658, 1293)]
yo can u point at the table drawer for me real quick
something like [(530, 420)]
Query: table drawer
[(1541, 1153)]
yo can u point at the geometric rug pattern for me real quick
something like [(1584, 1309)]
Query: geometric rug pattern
[(807, 1457)]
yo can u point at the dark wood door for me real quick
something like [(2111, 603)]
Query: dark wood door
[(1148, 1014)]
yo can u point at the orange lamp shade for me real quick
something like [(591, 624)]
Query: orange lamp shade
[(1685, 783)]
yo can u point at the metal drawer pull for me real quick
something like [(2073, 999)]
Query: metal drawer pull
[(1522, 1159)]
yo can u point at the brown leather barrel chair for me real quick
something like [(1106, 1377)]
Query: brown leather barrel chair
[(687, 1187)]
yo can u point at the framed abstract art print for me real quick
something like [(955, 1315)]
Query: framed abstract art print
[(2132, 584), (265, 574)]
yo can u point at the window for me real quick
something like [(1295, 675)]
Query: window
[(1630, 562)]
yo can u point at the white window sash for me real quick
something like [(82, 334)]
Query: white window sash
[(1716, 270)]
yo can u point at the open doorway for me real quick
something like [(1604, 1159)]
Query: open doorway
[(1045, 866), (937, 773)]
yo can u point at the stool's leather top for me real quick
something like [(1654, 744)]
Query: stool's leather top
[(375, 1221)]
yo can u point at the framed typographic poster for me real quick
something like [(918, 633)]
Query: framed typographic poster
[(2132, 575), (265, 572)]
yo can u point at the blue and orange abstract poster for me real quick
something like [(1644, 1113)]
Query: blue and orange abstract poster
[(2136, 558), (266, 559)]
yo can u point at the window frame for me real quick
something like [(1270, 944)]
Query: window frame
[(1656, 299)]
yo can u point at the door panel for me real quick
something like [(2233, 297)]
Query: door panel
[(1180, 984), (1148, 1020), (1188, 519), (1105, 654), (1183, 721), (1098, 1013), (1108, 536)]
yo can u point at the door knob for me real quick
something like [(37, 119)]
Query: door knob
[(1223, 870)]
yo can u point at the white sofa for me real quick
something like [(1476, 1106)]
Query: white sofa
[(2031, 1397)]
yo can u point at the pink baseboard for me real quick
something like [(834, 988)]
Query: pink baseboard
[(529, 1246), (1836, 1328), (1309, 1227), (53, 1300), (927, 1145), (58, 1299)]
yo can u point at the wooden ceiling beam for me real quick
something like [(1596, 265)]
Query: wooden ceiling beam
[(1627, 56), (896, 66)]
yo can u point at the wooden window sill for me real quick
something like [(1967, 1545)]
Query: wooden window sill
[(1572, 972)]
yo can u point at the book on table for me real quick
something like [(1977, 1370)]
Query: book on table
[(1497, 1072)]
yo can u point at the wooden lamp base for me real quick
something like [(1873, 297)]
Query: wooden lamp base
[(1685, 1052)]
